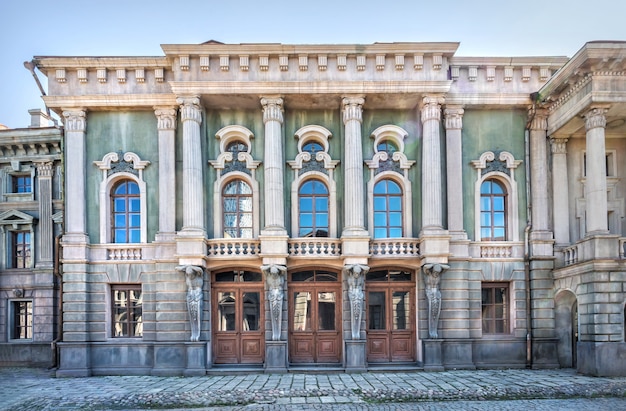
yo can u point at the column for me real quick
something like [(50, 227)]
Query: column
[(166, 128), (595, 187), (454, 170), (539, 170), (354, 215), (75, 128), (46, 228), (273, 165), (193, 186), (431, 163), (560, 191)]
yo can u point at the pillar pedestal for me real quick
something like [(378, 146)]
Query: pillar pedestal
[(275, 356), (355, 356), (433, 355)]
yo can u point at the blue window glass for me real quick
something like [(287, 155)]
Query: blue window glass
[(237, 211), (126, 212), (388, 210), (313, 211), (492, 211)]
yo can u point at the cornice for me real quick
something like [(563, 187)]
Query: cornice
[(121, 100), (443, 48), (309, 87), (489, 99), (53, 62)]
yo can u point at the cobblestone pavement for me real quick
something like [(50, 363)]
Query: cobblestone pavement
[(34, 389)]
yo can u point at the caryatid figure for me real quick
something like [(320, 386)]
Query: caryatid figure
[(355, 275), (432, 277), (194, 277), (275, 276)]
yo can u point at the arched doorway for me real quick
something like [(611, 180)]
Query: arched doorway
[(314, 317), (566, 318), (238, 332)]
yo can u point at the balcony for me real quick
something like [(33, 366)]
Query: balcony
[(598, 247), (398, 247), (233, 247), (315, 247), (500, 250)]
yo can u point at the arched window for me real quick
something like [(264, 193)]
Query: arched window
[(313, 206), (236, 147), (387, 209), (312, 147), (492, 211), (126, 212), (237, 209)]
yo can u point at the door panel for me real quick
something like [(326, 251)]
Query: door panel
[(390, 323), (314, 326), (238, 332)]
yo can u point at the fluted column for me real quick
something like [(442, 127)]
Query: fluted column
[(166, 127), (454, 170), (595, 187), (193, 187), (273, 165), (354, 215), (75, 129), (46, 228), (539, 170), (560, 191), (431, 163)]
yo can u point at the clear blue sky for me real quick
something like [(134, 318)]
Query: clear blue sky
[(138, 27)]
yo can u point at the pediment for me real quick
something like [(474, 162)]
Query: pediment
[(16, 218)]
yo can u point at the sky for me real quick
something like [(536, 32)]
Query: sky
[(502, 28)]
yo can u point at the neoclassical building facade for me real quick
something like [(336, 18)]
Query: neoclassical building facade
[(348, 207)]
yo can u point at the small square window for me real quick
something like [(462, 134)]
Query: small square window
[(127, 303), (495, 308), (21, 183), (22, 320)]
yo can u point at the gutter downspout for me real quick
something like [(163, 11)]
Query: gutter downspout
[(57, 273), (527, 257)]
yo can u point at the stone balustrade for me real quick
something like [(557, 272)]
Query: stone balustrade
[(622, 247), (124, 252), (570, 254), (236, 247), (315, 247), (405, 247)]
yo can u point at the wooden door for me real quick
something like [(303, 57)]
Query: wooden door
[(390, 320), (238, 336), (315, 318)]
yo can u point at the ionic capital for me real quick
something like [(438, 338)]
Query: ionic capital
[(454, 117), (272, 109), (538, 119), (558, 145), (75, 120), (190, 109), (44, 169), (352, 109), (166, 118), (431, 108), (595, 117)]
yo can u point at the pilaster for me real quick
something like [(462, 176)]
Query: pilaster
[(166, 128), (46, 225), (75, 239), (454, 178), (595, 187), (560, 191)]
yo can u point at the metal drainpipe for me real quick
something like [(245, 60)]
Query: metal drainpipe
[(57, 273), (529, 319)]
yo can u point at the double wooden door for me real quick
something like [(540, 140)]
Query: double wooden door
[(238, 336), (390, 300), (314, 317)]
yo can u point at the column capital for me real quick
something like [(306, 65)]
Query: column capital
[(431, 108), (538, 119), (454, 117), (190, 108), (558, 145), (352, 108), (75, 119), (166, 118), (595, 117), (44, 168), (272, 109)]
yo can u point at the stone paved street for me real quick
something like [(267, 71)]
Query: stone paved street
[(28, 389)]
